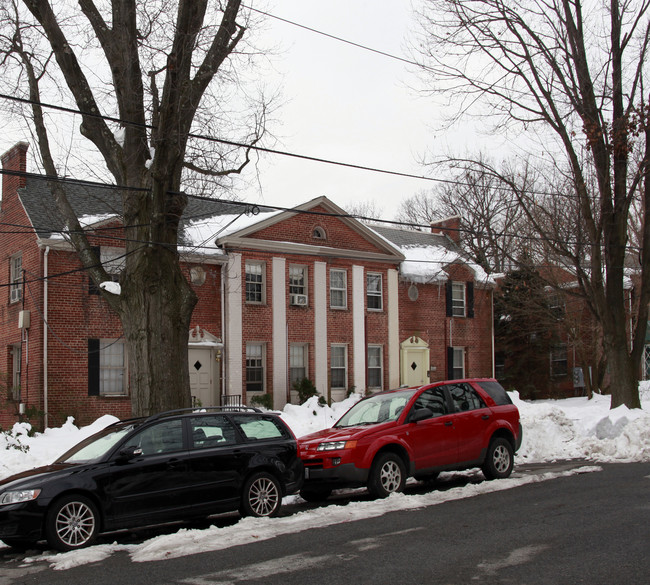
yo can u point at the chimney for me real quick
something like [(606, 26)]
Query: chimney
[(450, 227), (15, 159)]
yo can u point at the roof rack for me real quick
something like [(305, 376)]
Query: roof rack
[(199, 409)]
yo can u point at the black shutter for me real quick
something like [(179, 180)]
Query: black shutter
[(93, 367), (450, 310), (450, 363), (470, 300)]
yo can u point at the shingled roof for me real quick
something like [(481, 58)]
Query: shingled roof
[(97, 200)]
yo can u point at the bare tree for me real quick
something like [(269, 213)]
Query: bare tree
[(163, 69), (491, 218), (574, 78), (365, 211)]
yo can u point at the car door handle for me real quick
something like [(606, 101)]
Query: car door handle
[(485, 417), (175, 464), (449, 424)]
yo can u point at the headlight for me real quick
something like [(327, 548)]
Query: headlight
[(336, 445), (18, 496)]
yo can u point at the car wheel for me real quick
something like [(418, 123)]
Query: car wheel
[(499, 460), (315, 494), (262, 495), (387, 475), (72, 522)]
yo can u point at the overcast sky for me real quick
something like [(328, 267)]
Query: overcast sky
[(345, 104)]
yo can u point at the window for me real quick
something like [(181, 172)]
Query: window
[(318, 234), (211, 431), (254, 367), (374, 366), (16, 369), (339, 366), (106, 367), (556, 305), (164, 437), (464, 397), (456, 362), (458, 299), (373, 291), (297, 362), (298, 285), (255, 282), (16, 278), (559, 362), (260, 428), (434, 399), (338, 289)]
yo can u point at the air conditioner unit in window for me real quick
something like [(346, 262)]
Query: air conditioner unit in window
[(300, 300)]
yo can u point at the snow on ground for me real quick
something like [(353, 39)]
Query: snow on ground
[(574, 428)]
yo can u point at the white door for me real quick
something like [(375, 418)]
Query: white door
[(202, 380), (414, 358)]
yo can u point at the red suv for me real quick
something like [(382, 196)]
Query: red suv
[(389, 436)]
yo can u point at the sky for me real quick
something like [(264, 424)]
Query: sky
[(347, 104), (554, 430)]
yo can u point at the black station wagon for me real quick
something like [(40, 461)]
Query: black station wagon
[(172, 466)]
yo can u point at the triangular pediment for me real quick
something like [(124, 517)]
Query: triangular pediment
[(318, 227)]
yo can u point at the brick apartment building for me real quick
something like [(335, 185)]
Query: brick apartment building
[(283, 295)]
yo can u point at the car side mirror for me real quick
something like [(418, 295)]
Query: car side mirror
[(421, 414), (130, 452)]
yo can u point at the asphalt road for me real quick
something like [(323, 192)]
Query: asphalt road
[(592, 528)]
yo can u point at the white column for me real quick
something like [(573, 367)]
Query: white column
[(392, 308), (320, 327), (280, 347), (359, 327), (233, 324)]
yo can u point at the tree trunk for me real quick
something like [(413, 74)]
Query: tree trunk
[(156, 307), (623, 374)]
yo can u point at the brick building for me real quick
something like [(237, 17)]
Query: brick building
[(283, 295)]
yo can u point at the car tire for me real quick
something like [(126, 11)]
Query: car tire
[(315, 494), (262, 495), (499, 460), (72, 522), (387, 475)]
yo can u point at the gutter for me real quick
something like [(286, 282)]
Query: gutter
[(45, 332)]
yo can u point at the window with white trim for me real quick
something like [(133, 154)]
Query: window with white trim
[(254, 367), (458, 299), (339, 366), (338, 289), (457, 370), (298, 286), (16, 370), (255, 289), (298, 360), (374, 291), (375, 370), (107, 367), (16, 278)]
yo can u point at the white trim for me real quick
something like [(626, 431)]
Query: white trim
[(321, 294), (358, 326), (233, 325), (280, 348), (392, 308)]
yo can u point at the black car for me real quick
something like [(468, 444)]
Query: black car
[(171, 466)]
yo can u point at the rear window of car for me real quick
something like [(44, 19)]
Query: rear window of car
[(496, 392), (258, 428)]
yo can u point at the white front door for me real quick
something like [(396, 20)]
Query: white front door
[(202, 378), (414, 360)]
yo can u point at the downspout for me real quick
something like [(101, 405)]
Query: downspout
[(492, 327), (45, 331), (224, 329)]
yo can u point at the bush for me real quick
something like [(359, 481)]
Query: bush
[(306, 390), (263, 400)]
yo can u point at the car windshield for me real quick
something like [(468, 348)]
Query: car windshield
[(376, 409), (94, 448)]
